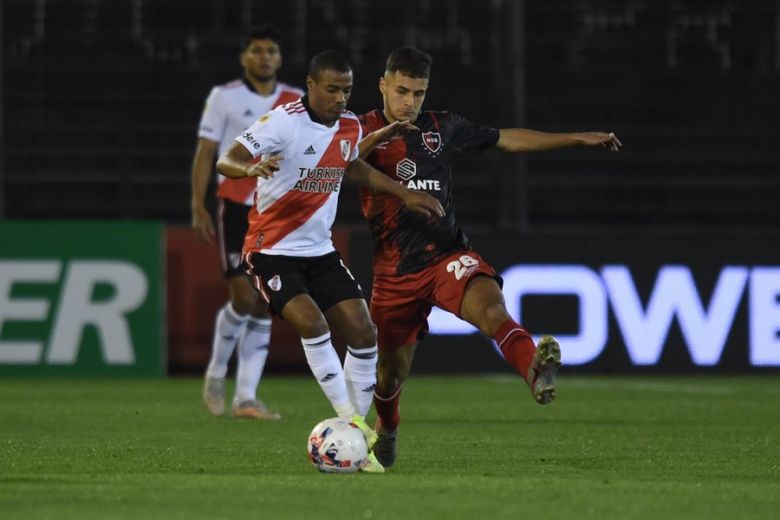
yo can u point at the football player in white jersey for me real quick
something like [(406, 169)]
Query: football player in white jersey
[(244, 320), (309, 146)]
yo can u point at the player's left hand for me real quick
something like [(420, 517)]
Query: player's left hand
[(607, 140), (394, 130), (421, 202)]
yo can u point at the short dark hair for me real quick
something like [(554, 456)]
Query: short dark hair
[(262, 32), (410, 62), (328, 60)]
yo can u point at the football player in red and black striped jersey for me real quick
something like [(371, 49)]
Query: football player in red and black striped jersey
[(420, 263)]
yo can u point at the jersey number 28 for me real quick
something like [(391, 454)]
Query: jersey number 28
[(461, 266)]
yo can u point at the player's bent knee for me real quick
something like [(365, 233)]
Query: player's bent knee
[(314, 330), (311, 327), (363, 338)]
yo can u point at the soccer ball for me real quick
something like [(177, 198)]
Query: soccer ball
[(337, 446)]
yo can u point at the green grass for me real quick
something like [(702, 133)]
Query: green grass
[(470, 447)]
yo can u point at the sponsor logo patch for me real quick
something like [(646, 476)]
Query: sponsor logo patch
[(319, 180), (251, 140), (406, 169)]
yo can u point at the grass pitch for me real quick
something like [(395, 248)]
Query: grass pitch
[(469, 447)]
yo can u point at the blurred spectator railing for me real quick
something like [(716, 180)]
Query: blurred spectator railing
[(101, 100)]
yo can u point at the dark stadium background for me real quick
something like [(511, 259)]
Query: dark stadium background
[(101, 99)]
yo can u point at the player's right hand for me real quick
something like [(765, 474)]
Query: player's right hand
[(202, 226), (607, 140), (265, 169), (421, 202)]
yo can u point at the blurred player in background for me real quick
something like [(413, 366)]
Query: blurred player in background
[(418, 264), (309, 146), (244, 320)]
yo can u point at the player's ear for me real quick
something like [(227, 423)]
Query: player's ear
[(309, 82), (382, 85)]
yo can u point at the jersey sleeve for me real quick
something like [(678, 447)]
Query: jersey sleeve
[(269, 134), (468, 136), (214, 118)]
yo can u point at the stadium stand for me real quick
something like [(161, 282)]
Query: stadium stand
[(101, 100)]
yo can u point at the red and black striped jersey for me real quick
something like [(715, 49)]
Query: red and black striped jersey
[(404, 241)]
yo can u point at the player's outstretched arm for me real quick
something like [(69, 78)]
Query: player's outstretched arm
[(236, 163), (523, 140), (202, 225), (388, 132), (364, 174)]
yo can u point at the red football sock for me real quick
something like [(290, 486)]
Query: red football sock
[(387, 409), (516, 345)]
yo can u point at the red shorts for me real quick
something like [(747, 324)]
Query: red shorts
[(400, 304)]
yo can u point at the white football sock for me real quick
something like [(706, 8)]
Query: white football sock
[(325, 364), (360, 374), (252, 353), (227, 330)]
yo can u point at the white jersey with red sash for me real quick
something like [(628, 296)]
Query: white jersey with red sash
[(295, 209)]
